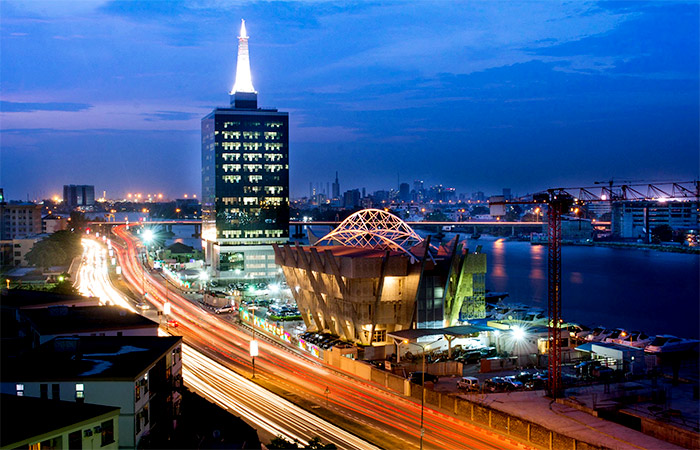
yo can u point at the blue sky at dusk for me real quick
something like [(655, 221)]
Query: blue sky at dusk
[(476, 95)]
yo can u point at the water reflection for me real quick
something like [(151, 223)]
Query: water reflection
[(576, 278)]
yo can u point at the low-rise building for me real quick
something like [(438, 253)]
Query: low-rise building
[(19, 220), (36, 423), (57, 321), (14, 251), (141, 375), (637, 219), (53, 223)]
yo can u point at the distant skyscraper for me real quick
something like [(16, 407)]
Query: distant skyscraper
[(78, 195), (351, 199), (404, 192), (507, 194), (245, 180), (336, 187)]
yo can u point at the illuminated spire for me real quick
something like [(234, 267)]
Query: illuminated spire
[(244, 81)]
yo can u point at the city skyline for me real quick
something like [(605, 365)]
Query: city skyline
[(474, 96)]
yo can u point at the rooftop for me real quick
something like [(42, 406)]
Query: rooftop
[(62, 319), (22, 418), (90, 358), (24, 298)]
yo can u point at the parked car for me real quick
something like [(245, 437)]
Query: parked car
[(515, 385), (468, 383), (496, 384), (417, 377), (143, 306), (469, 357), (536, 383)]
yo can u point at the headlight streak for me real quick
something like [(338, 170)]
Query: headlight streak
[(221, 385), (357, 399)]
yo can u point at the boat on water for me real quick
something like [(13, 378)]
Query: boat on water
[(598, 334), (637, 339), (666, 343)]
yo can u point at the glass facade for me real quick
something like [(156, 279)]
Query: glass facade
[(245, 183)]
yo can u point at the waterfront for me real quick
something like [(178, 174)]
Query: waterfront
[(653, 291)]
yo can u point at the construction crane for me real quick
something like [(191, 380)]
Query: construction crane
[(560, 201)]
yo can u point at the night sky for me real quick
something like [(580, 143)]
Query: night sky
[(475, 95)]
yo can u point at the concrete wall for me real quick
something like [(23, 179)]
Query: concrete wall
[(667, 432)]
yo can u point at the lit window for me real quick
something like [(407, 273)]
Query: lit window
[(20, 390)]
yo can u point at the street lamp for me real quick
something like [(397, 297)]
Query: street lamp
[(146, 237), (203, 277), (422, 394), (253, 342)]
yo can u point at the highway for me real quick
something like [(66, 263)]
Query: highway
[(265, 411), (387, 419)]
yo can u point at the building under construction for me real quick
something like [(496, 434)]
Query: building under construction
[(374, 275)]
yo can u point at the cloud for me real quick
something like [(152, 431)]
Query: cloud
[(170, 115), (325, 134), (6, 106)]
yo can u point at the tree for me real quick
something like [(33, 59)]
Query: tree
[(436, 216), (77, 219), (59, 249), (64, 285), (513, 213), (479, 209), (315, 444), (280, 443)]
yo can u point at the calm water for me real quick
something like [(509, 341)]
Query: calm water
[(636, 289)]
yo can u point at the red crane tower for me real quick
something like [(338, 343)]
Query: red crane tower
[(560, 201)]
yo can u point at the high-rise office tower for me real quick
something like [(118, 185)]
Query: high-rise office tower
[(245, 181), (336, 187), (78, 195)]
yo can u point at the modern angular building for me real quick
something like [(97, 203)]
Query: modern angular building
[(245, 181), (375, 276)]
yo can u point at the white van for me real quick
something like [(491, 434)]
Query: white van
[(468, 383)]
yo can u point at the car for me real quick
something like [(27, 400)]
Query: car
[(496, 384), (470, 357), (143, 306), (418, 377), (514, 384), (536, 383), (224, 309), (524, 377), (468, 383), (173, 323)]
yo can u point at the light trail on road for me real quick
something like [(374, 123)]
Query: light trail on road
[(247, 399), (93, 280), (365, 403), (231, 391)]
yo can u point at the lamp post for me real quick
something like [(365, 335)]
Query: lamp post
[(422, 393), (146, 237), (203, 277), (253, 342)]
